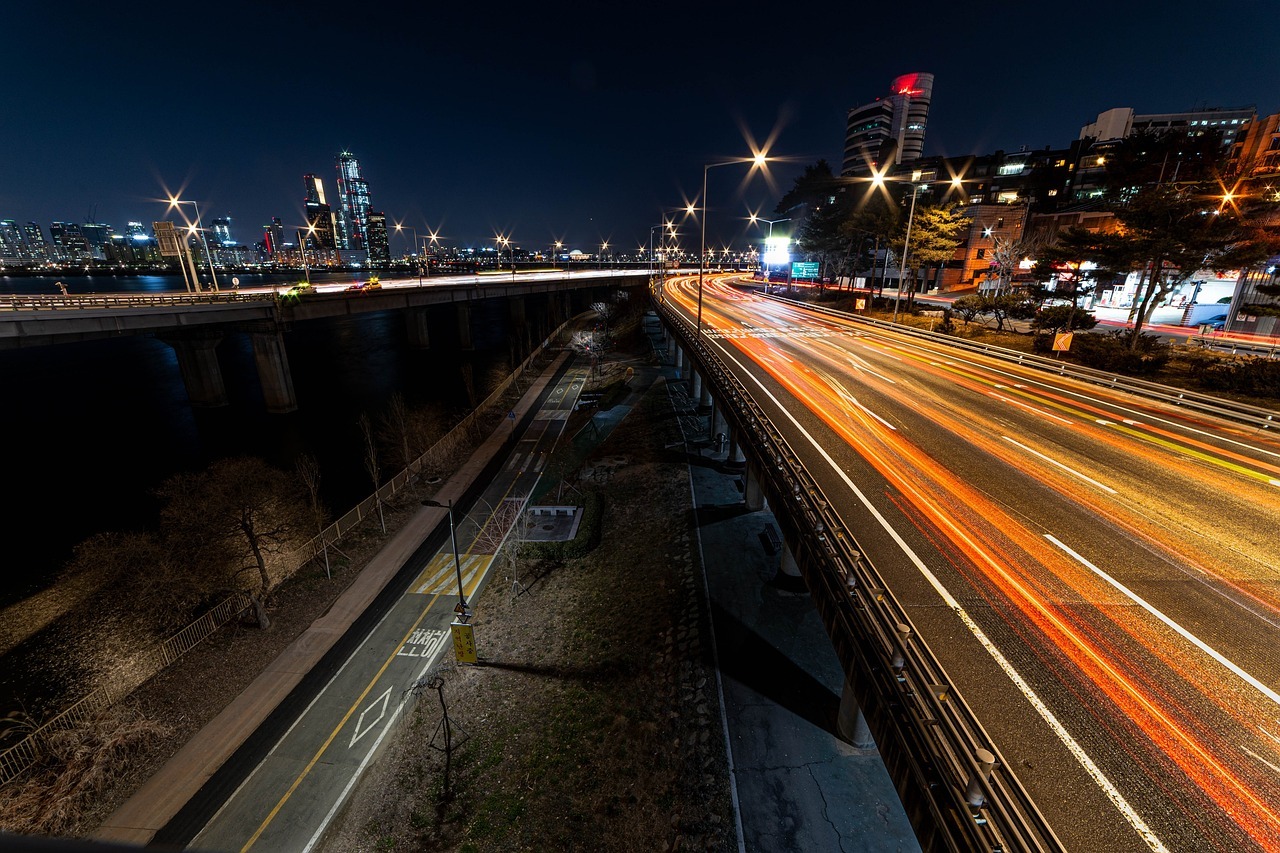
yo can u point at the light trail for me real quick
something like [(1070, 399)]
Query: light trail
[(1032, 577)]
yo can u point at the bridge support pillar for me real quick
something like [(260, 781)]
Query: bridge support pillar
[(752, 494), (716, 425), (671, 349), (695, 384), (198, 363), (273, 371), (851, 723), (680, 362), (464, 325), (736, 459), (415, 320), (704, 401)]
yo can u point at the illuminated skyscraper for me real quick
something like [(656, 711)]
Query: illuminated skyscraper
[(889, 130), (273, 238), (222, 232), (353, 203), (68, 242), (319, 215), (36, 244), (376, 239)]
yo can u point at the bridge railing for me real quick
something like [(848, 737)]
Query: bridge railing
[(1203, 403), (80, 302), (959, 793)]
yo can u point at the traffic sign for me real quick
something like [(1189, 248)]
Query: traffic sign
[(464, 642), (168, 239)]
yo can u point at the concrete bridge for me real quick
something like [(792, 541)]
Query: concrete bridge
[(194, 324)]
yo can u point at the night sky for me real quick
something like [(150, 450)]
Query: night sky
[(553, 121)]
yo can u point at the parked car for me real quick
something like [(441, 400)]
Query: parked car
[(1217, 323)]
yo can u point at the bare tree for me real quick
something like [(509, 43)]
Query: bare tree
[(372, 465), (232, 519), (309, 473)]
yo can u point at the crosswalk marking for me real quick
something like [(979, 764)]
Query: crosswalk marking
[(439, 575)]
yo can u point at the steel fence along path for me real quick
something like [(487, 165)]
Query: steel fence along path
[(25, 753)]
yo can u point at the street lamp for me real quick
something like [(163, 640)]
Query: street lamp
[(463, 609), (302, 249), (756, 161), (174, 201), (604, 247), (433, 239)]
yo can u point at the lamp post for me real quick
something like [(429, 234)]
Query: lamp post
[(906, 244), (758, 160), (302, 249), (463, 609), (433, 239), (399, 229), (772, 222), (174, 201)]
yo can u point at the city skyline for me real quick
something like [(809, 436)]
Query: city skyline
[(576, 131)]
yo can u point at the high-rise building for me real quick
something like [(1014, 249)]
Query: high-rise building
[(376, 239), (13, 249), (319, 216), (890, 130), (222, 231), (97, 235), (353, 203), (273, 239), (36, 243), (69, 243)]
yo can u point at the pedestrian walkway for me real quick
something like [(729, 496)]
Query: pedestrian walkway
[(798, 785), (175, 805)]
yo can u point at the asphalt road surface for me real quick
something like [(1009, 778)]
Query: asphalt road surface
[(1099, 574)]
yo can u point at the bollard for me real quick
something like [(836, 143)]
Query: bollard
[(974, 795)]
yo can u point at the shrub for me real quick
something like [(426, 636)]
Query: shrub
[(1112, 352), (1250, 375)]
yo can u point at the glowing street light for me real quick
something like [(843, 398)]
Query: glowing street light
[(174, 201), (757, 161)]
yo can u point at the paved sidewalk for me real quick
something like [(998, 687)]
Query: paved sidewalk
[(798, 785)]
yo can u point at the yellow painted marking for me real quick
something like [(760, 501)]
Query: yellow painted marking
[(332, 735)]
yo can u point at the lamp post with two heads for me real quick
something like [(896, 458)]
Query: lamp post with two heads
[(174, 201), (756, 161)]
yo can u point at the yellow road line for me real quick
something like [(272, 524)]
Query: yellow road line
[(329, 740)]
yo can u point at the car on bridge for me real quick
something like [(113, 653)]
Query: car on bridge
[(298, 290), (365, 286)]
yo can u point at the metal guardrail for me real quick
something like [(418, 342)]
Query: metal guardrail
[(1215, 342), (1203, 403), (945, 752), (81, 302)]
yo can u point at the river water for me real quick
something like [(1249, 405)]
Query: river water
[(88, 430)]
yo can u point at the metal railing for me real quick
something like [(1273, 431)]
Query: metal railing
[(82, 302), (972, 798), (1194, 400)]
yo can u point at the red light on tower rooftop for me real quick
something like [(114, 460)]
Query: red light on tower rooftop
[(906, 85)]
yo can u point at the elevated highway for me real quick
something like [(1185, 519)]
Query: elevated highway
[(1091, 575)]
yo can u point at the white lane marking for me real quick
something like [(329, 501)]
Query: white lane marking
[(1052, 461), (854, 400), (360, 730), (1274, 482), (1022, 405), (364, 763), (1077, 751), (1260, 758), (1183, 632), (859, 364)]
